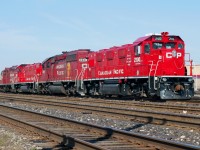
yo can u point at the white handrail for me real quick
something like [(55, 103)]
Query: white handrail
[(151, 67), (150, 73), (76, 75), (155, 74), (195, 72), (156, 67), (78, 78)]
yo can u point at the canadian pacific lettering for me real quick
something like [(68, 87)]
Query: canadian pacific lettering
[(111, 72)]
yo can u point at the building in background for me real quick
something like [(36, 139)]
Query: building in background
[(196, 75)]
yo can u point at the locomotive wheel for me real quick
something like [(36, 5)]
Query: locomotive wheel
[(119, 96), (109, 95)]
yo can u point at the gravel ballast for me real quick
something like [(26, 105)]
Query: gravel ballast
[(10, 140), (163, 132)]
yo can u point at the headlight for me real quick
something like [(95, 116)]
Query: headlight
[(174, 53), (190, 79), (164, 79)]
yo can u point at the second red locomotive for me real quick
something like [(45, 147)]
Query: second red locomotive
[(153, 65)]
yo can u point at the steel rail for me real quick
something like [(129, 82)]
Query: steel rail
[(127, 104), (62, 140), (126, 114), (116, 134)]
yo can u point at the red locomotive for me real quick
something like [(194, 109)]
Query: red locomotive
[(153, 65), (22, 78)]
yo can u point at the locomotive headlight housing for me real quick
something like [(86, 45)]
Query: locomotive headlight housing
[(164, 79), (174, 53), (190, 80)]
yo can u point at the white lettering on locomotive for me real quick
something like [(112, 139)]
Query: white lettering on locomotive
[(59, 66), (169, 55), (110, 72), (128, 59), (137, 59), (12, 75), (60, 73), (179, 55), (118, 71), (101, 73), (83, 60), (30, 79)]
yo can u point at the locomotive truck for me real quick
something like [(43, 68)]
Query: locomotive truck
[(153, 65)]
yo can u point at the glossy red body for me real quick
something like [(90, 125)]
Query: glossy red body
[(24, 73), (32, 72), (13, 75), (115, 62), (125, 62), (64, 67), (152, 65)]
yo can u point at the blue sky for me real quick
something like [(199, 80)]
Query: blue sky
[(32, 30)]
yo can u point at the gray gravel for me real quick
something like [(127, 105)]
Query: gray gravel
[(168, 133), (10, 140)]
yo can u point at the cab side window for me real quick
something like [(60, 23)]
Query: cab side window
[(137, 50), (180, 46), (147, 48), (48, 64)]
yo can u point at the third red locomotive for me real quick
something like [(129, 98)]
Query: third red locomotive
[(153, 65)]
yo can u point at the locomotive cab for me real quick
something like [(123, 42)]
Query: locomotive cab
[(165, 56)]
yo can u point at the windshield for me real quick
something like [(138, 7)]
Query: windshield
[(169, 45), (159, 45)]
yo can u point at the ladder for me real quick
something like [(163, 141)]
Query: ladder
[(152, 72), (79, 81)]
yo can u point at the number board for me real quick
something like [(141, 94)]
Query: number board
[(158, 38)]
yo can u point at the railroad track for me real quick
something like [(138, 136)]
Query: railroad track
[(147, 117), (194, 101), (72, 134), (194, 110)]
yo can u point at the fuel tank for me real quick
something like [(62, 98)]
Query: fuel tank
[(24, 89), (112, 89), (57, 89)]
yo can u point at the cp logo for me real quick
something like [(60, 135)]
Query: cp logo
[(169, 55)]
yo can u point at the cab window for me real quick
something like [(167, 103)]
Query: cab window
[(137, 50), (48, 64), (169, 45), (180, 46), (147, 48), (157, 45)]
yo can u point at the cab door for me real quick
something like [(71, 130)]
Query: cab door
[(138, 60), (47, 71), (148, 58)]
